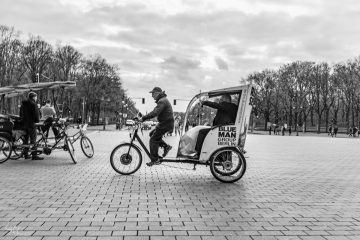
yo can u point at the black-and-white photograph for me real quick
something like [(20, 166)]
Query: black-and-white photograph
[(179, 120)]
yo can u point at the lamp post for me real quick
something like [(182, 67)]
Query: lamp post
[(83, 111), (104, 100), (123, 115)]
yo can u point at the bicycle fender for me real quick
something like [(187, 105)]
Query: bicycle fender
[(133, 144)]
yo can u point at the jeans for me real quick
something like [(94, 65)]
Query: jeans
[(47, 124), (156, 140), (30, 134)]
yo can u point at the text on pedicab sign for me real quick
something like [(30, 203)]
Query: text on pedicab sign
[(227, 136)]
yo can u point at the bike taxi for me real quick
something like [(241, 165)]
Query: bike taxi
[(12, 137), (222, 146)]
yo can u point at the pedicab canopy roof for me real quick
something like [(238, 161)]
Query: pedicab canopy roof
[(12, 91), (231, 90)]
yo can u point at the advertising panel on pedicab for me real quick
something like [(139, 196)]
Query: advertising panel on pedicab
[(227, 136)]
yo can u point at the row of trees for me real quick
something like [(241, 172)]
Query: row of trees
[(308, 94), (99, 90), (304, 94)]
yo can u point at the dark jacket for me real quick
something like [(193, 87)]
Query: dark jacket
[(226, 112), (163, 111), (29, 113)]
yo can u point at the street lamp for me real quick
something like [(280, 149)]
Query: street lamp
[(123, 115), (103, 99)]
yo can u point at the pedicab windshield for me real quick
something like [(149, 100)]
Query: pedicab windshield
[(197, 114)]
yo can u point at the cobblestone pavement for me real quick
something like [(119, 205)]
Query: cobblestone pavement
[(295, 188)]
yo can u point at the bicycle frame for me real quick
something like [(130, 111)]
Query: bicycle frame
[(79, 134), (43, 139), (135, 136)]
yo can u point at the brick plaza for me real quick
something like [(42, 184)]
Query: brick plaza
[(304, 188)]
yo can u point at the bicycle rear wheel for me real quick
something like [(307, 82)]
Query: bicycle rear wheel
[(87, 146), (227, 165), (70, 148), (5, 149), (126, 159)]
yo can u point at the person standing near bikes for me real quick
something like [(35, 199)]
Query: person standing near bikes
[(29, 114), (47, 115), (164, 113)]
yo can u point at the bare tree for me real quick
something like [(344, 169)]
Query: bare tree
[(37, 55), (264, 84)]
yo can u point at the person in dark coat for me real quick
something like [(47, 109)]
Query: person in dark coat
[(30, 114), (164, 113), (226, 110), (226, 114)]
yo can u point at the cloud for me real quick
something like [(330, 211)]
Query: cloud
[(174, 62), (222, 65), (186, 45)]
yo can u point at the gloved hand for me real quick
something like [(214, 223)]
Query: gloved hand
[(201, 102)]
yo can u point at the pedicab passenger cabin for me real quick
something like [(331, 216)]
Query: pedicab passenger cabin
[(198, 118)]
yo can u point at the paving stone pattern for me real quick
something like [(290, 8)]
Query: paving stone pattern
[(301, 188)]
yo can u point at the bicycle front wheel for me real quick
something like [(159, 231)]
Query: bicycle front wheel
[(70, 148), (87, 147), (5, 149), (126, 159)]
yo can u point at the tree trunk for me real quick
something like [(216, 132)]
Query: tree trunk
[(327, 119), (267, 119), (312, 118), (319, 123)]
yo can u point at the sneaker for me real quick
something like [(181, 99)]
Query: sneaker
[(36, 157), (166, 150), (27, 156), (156, 162)]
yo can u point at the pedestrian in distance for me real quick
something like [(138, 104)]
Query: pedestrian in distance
[(177, 126), (335, 130), (164, 113), (351, 131)]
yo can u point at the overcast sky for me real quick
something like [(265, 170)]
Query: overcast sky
[(185, 46)]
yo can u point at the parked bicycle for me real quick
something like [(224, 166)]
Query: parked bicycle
[(12, 140)]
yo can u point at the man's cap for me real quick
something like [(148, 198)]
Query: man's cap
[(32, 94), (156, 89)]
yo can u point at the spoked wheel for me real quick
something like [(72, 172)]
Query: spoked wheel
[(126, 159), (17, 149), (70, 148), (87, 147), (5, 149), (227, 165)]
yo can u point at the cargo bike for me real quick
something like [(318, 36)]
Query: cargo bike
[(222, 146), (12, 137)]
